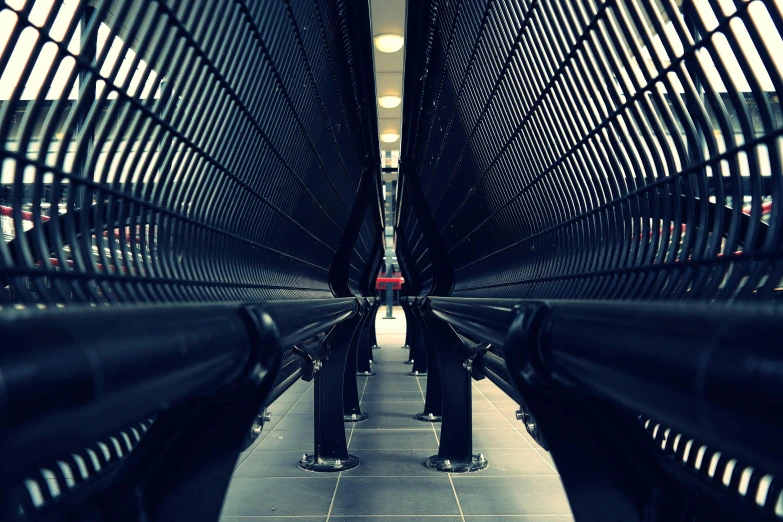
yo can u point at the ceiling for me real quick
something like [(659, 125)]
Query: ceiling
[(388, 17)]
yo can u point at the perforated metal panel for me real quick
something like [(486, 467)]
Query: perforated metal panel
[(613, 150), (176, 151)]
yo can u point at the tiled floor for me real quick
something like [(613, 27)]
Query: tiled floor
[(520, 484)]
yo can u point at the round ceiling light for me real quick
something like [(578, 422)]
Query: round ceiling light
[(388, 43), (389, 137), (389, 102)]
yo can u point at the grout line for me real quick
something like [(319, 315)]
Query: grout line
[(348, 444), (334, 495), (461, 514), (432, 424), (353, 424), (518, 431)]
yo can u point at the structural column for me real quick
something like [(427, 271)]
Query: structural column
[(330, 447), (455, 453)]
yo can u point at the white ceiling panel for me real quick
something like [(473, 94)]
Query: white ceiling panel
[(388, 17)]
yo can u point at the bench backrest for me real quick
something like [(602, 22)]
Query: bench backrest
[(597, 151), (170, 154)]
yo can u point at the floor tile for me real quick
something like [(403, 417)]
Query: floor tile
[(394, 519), (249, 497), (512, 463), (394, 439), (275, 464), (279, 409), (490, 420), (303, 407), (274, 519), (521, 518), (287, 440), (493, 395), (388, 408), (392, 396), (250, 449), (295, 423), (394, 496), (392, 463), (511, 496), (487, 420), (498, 439)]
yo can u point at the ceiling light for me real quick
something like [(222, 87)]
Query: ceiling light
[(389, 137), (388, 43), (389, 102)]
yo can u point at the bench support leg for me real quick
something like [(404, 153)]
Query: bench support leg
[(352, 411), (455, 454), (433, 402), (418, 352), (330, 447), (408, 332), (363, 349)]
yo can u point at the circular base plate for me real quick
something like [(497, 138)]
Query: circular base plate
[(428, 417), (365, 374), (417, 374), (388, 318), (356, 417), (477, 463), (309, 463), (408, 362)]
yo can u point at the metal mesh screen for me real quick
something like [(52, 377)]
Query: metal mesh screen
[(420, 259), (603, 149), (368, 244), (168, 150)]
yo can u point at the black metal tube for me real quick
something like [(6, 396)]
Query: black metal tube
[(73, 373), (494, 368), (487, 319), (299, 320), (711, 371), (82, 375)]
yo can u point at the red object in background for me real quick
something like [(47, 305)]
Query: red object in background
[(26, 215), (396, 281)]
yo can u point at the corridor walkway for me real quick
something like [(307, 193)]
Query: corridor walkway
[(521, 483)]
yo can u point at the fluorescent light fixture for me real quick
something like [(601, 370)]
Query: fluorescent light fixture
[(389, 137), (388, 43), (389, 102)]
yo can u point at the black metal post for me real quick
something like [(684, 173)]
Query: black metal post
[(455, 453), (406, 311), (406, 308), (363, 348), (433, 402), (419, 348), (389, 293), (373, 333), (330, 447), (352, 412)]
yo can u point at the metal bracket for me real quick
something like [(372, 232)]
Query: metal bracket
[(312, 365), (529, 421), (475, 352)]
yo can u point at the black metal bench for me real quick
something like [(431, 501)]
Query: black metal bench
[(191, 223), (590, 217)]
